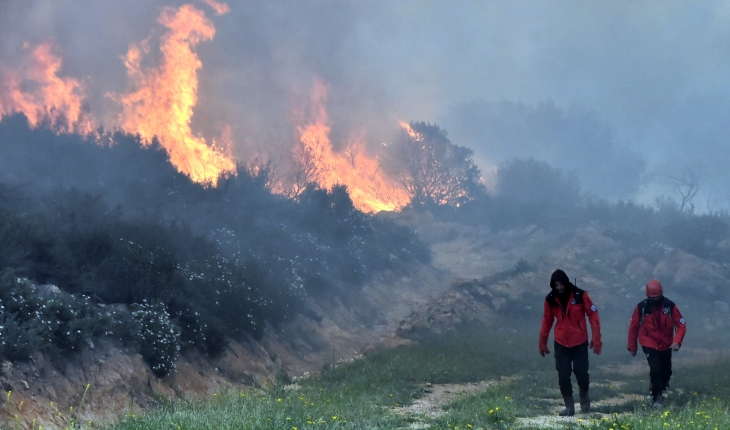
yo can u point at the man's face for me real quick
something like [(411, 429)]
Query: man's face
[(655, 301), (559, 287)]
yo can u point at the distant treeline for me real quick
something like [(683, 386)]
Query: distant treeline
[(531, 192), (117, 224)]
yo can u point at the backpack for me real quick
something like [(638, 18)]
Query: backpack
[(645, 309)]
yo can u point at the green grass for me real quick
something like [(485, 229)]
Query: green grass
[(701, 413), (358, 395), (303, 409), (494, 408), (361, 395)]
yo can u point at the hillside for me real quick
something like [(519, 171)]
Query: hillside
[(476, 275), (121, 383), (126, 283), (506, 274)]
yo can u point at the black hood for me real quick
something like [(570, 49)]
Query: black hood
[(560, 276)]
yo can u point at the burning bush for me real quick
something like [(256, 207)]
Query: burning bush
[(433, 170), (225, 261)]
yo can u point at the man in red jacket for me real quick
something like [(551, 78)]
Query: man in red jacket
[(570, 306), (660, 328)]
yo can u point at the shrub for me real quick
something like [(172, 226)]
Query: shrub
[(126, 227), (158, 336), (698, 235), (74, 320), (32, 321), (20, 339), (533, 192)]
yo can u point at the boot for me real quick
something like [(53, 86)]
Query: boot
[(585, 401), (658, 402), (569, 410)]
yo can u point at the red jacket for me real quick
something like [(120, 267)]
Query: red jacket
[(570, 330), (657, 328)]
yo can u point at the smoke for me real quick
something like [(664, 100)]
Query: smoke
[(575, 141), (650, 74)]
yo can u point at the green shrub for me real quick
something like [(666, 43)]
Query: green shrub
[(19, 340), (158, 336), (74, 321), (32, 321)]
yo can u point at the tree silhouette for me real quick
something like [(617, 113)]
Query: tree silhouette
[(432, 169), (687, 185)]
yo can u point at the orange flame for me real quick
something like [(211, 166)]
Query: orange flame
[(162, 105), (370, 189), (41, 95), (418, 137)]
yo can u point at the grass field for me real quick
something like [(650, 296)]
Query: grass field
[(366, 393)]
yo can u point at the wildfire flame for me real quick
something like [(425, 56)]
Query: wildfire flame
[(162, 105), (37, 91), (418, 137), (370, 189)]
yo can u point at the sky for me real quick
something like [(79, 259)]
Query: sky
[(625, 94)]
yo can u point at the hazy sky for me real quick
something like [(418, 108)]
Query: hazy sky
[(646, 81)]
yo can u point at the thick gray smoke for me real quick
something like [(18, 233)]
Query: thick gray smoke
[(575, 141), (648, 78)]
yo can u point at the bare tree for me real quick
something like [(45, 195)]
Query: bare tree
[(687, 186), (265, 168), (352, 151), (307, 168)]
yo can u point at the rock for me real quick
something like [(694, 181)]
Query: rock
[(688, 273), (404, 329), (639, 269), (368, 350), (499, 303), (7, 386), (395, 341)]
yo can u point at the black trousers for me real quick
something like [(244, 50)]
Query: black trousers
[(572, 360), (660, 369)]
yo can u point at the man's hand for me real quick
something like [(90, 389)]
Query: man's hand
[(544, 350), (676, 346), (633, 353), (596, 347)]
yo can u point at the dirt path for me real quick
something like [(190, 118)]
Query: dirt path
[(431, 406), (438, 395), (553, 421)]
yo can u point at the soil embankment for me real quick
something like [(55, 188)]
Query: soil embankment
[(53, 390)]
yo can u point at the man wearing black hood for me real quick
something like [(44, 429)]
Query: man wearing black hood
[(570, 306)]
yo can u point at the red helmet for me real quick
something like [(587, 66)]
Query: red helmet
[(654, 288)]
